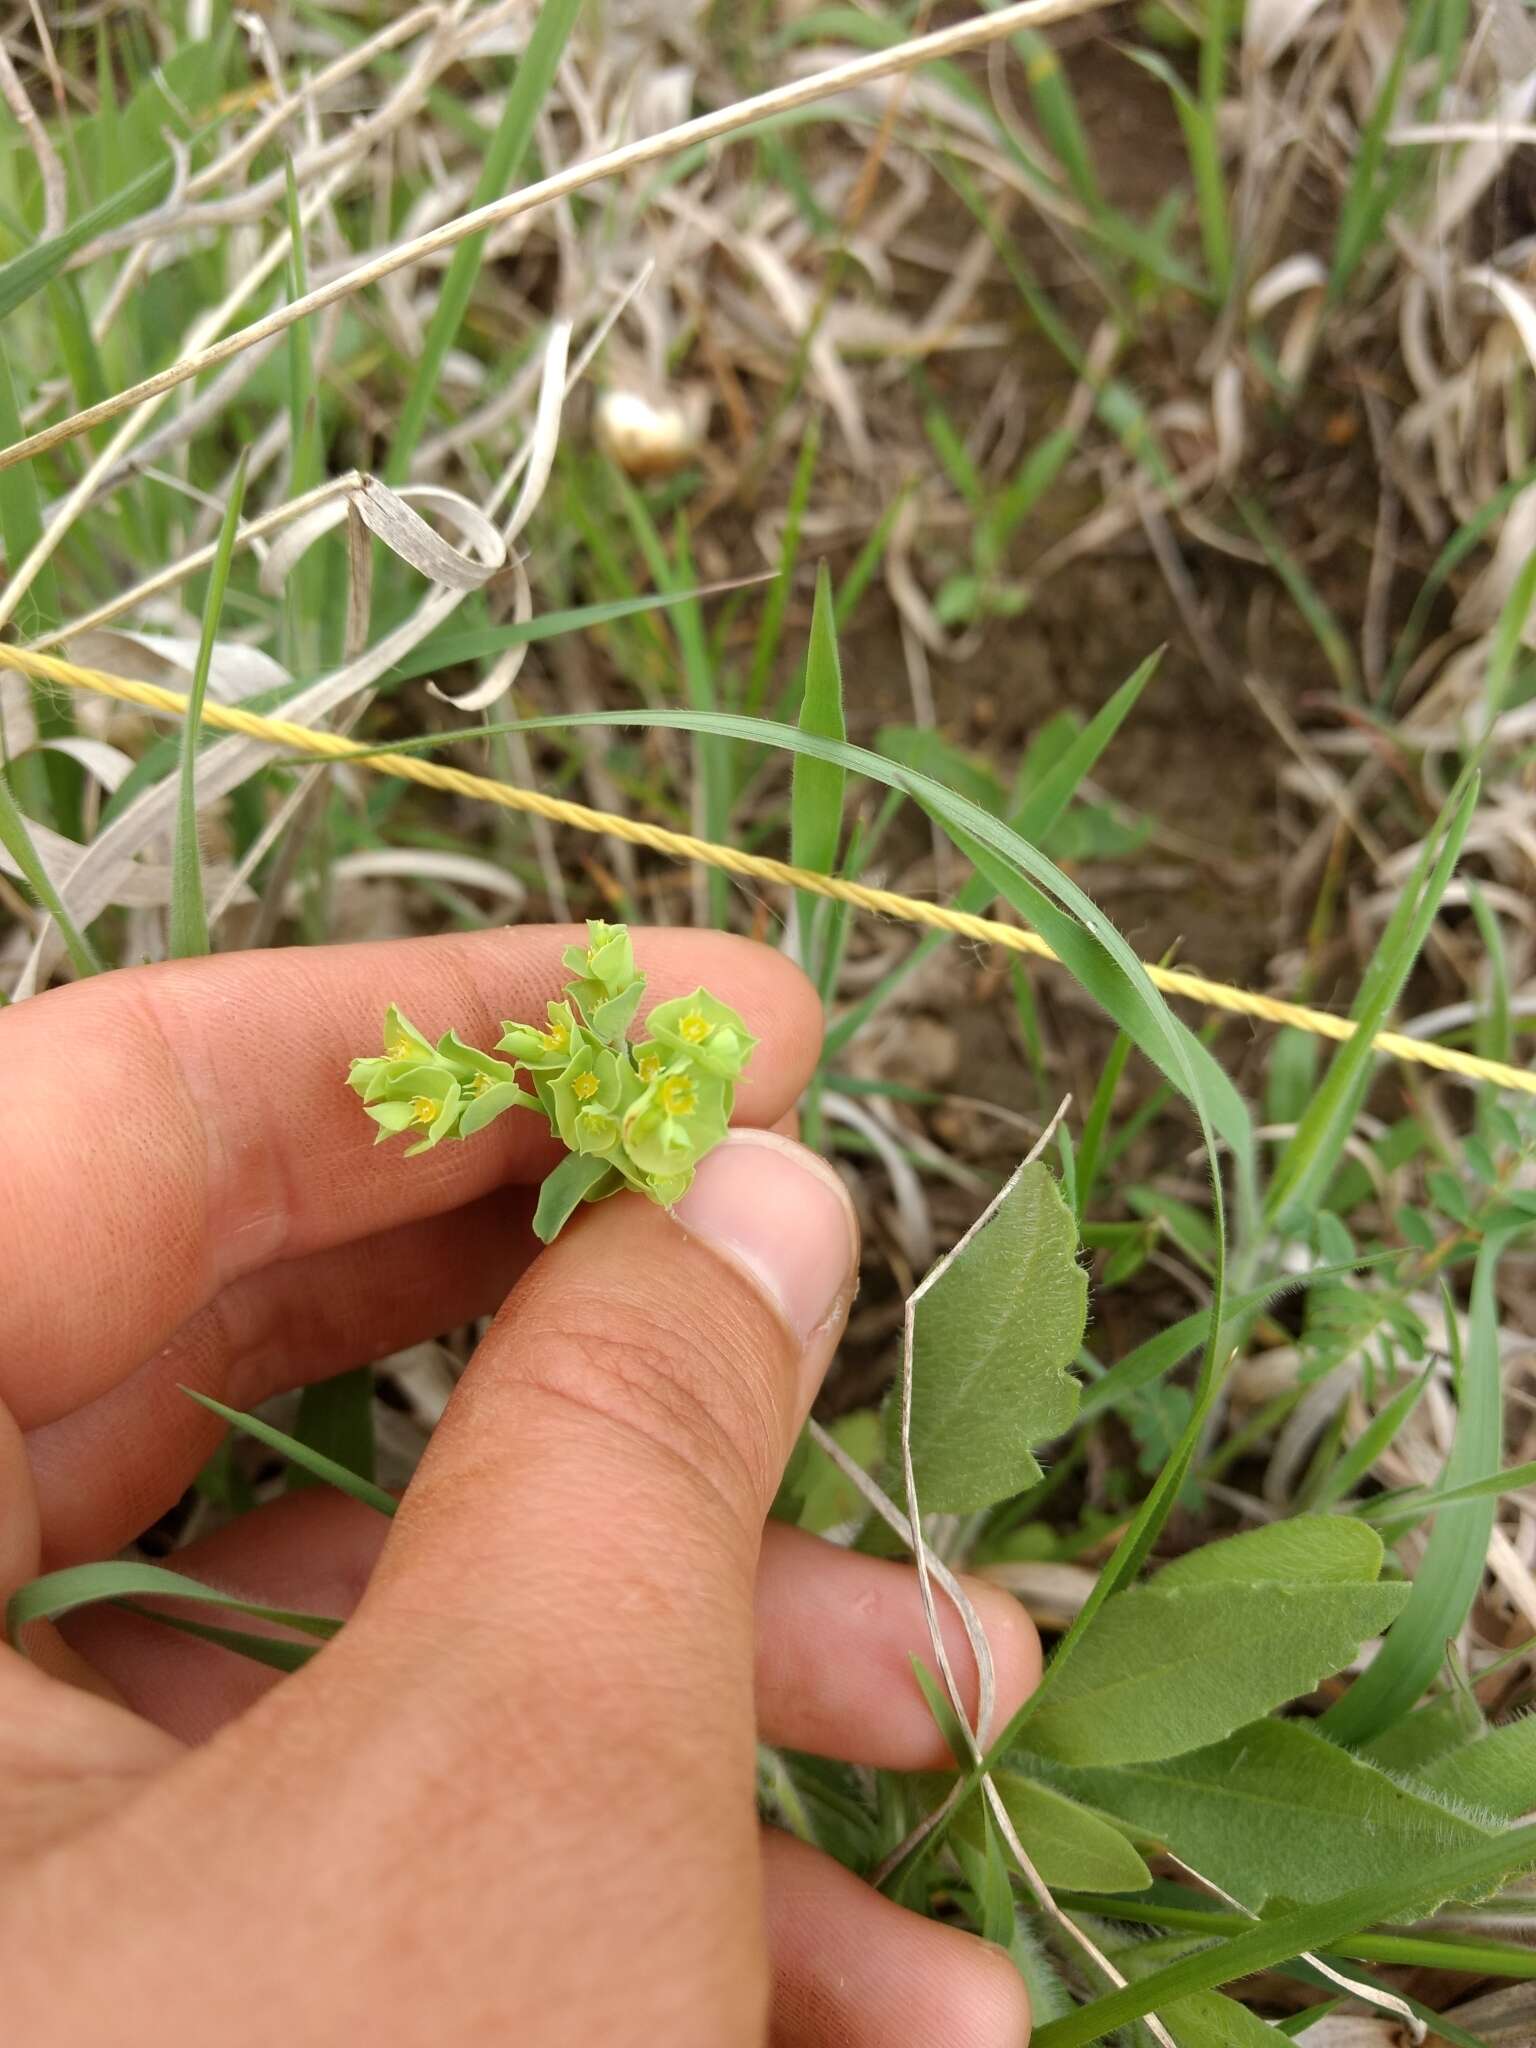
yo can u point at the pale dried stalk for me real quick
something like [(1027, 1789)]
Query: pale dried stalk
[(968, 35), (50, 168), (64, 517), (924, 1561)]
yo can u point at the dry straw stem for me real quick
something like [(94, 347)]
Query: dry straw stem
[(858, 71), (304, 739)]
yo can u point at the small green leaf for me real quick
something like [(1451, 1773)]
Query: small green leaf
[(1159, 1673), (993, 1337), (1307, 1550), (816, 796), (1276, 1811), (575, 1180), (1064, 1841)]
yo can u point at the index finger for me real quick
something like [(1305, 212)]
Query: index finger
[(173, 1128)]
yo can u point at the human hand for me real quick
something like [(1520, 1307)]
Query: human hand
[(513, 1801)]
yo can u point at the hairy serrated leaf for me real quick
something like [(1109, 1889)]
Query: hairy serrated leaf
[(1276, 1811), (994, 1336), (1307, 1550), (1160, 1672)]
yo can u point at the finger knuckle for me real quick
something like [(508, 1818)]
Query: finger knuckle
[(698, 1402)]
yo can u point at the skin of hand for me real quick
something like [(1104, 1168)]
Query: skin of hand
[(514, 1800)]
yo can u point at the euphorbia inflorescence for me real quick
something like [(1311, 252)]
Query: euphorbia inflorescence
[(636, 1115)]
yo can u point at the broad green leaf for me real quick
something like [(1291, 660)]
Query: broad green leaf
[(1307, 1550), (1159, 1672), (1276, 1811), (1064, 1841), (993, 1339), (189, 913), (304, 1455), (1497, 1774), (1467, 1873), (1451, 1569), (816, 795), (84, 1585), (1210, 2020)]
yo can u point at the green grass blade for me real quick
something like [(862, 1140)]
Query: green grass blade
[(816, 796), (770, 631), (1202, 145), (1307, 1164), (446, 650), (1305, 595), (335, 1420), (1451, 1569), (1368, 1446), (552, 25), (273, 1651), (1465, 1874), (56, 1594), (21, 519), (305, 1455), (1508, 641), (17, 841), (1032, 820), (29, 272), (189, 914)]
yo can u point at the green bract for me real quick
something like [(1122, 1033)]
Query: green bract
[(648, 1112)]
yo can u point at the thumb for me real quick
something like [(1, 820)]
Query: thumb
[(562, 1617), (629, 1415)]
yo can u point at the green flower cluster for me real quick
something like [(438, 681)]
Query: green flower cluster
[(631, 1115)]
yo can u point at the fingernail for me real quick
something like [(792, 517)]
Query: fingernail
[(784, 1215)]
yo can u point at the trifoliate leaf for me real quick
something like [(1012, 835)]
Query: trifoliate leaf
[(994, 1335)]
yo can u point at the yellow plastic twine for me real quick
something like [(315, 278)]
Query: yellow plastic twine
[(304, 739)]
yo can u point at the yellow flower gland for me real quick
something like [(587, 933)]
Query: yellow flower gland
[(557, 1037), (695, 1028), (679, 1097), (402, 1049), (424, 1109), (480, 1083), (648, 1066), (584, 1087)]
